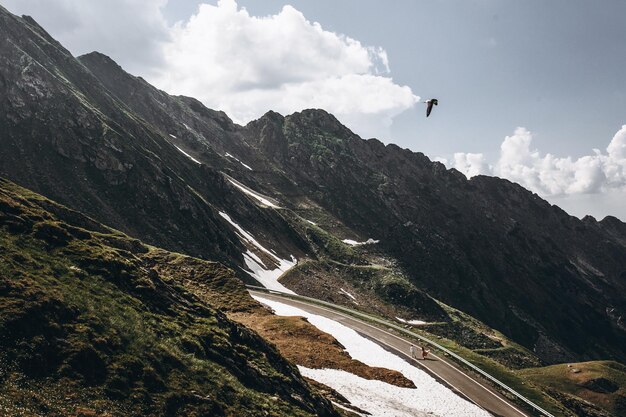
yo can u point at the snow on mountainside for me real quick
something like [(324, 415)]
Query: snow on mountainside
[(188, 156), (261, 199), (263, 273), (430, 398)]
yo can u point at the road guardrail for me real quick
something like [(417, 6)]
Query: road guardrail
[(407, 332)]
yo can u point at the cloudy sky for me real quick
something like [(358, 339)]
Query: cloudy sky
[(531, 91)]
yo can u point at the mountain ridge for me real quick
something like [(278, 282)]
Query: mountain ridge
[(121, 151), (508, 223)]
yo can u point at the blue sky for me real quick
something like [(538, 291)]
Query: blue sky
[(554, 68)]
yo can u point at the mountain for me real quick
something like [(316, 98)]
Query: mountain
[(65, 135), (93, 322), (487, 246), (169, 171)]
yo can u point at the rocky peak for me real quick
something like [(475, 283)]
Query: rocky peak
[(266, 134), (34, 25), (110, 73), (318, 120), (103, 61), (615, 227), (220, 117), (12, 22)]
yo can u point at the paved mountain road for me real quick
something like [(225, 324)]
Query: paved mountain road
[(439, 367)]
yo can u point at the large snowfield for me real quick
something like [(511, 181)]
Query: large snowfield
[(380, 399)]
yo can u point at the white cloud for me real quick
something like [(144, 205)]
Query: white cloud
[(599, 205), (470, 164), (130, 31), (247, 65), (558, 177), (232, 61)]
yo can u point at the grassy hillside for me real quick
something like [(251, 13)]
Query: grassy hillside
[(91, 323), (602, 383)]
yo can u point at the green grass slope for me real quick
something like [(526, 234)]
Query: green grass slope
[(89, 326), (601, 383)]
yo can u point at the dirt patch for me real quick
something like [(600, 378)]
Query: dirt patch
[(296, 339), (304, 344)]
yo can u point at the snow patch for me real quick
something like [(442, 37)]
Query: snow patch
[(238, 160), (189, 156), (349, 295), (255, 258), (173, 136), (351, 242), (247, 236), (253, 194), (429, 397), (268, 277), (313, 223), (416, 322), (256, 267), (376, 397)]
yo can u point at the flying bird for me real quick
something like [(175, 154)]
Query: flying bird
[(429, 105)]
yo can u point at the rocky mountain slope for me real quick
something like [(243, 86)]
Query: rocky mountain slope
[(93, 322), (166, 169), (467, 243), (65, 135), (487, 246)]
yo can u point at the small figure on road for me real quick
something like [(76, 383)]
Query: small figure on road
[(424, 352), (412, 350)]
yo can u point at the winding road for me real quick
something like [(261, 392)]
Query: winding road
[(442, 369)]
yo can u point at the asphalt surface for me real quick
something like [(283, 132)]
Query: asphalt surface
[(469, 387)]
